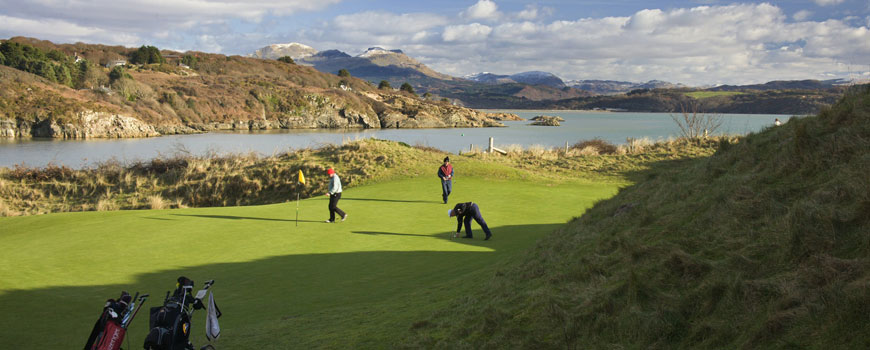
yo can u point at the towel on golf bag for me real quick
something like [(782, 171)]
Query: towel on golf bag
[(212, 328)]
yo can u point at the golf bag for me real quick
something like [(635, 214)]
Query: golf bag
[(111, 328), (171, 323)]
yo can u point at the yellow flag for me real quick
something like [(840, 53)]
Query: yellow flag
[(301, 177)]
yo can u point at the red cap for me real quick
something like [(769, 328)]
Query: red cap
[(330, 171)]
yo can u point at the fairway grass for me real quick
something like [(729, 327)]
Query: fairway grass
[(357, 284)]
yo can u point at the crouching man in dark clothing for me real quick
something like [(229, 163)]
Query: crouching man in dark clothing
[(464, 212)]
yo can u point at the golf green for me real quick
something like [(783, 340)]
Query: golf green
[(280, 284)]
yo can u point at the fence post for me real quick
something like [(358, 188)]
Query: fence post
[(490, 145)]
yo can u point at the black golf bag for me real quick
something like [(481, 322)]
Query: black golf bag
[(170, 323)]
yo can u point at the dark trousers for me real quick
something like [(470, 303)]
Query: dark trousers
[(446, 188), (333, 206), (479, 219)]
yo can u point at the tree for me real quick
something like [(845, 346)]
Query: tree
[(427, 95), (694, 124), (407, 88), (343, 73), (288, 59), (190, 61), (384, 85), (147, 55), (118, 73)]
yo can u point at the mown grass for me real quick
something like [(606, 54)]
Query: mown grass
[(762, 245), (356, 284)]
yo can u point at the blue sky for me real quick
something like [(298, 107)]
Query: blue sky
[(699, 42)]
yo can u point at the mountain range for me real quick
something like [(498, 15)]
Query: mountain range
[(538, 89)]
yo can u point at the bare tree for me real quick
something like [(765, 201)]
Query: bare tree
[(694, 124)]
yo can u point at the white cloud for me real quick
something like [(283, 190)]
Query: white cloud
[(64, 31), (384, 23), (466, 32), (828, 2), (801, 15), (483, 9), (136, 22)]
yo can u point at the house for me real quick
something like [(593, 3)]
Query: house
[(113, 63)]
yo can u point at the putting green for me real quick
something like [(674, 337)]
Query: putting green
[(355, 284)]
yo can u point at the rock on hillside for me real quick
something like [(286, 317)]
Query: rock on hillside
[(275, 51)]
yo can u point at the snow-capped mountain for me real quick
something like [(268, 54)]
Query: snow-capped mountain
[(531, 78), (275, 51)]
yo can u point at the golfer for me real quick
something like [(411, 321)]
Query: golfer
[(464, 212), (445, 172), (334, 193)]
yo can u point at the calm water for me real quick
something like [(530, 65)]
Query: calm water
[(613, 127)]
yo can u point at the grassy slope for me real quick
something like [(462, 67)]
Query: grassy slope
[(358, 284), (763, 245)]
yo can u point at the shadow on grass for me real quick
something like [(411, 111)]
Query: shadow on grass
[(312, 288), (387, 200), (390, 233), (233, 217)]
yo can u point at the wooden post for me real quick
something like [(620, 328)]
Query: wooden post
[(490, 145), (566, 147)]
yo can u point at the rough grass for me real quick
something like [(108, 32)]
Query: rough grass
[(248, 179), (762, 245)]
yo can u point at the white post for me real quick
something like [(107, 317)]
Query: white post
[(490, 145)]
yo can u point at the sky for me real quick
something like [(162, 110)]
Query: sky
[(694, 42)]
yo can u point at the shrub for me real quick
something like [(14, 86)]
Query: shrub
[(286, 59), (384, 85), (407, 88), (343, 73), (598, 145), (156, 202)]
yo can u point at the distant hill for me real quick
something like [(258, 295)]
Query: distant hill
[(375, 64), (544, 90), (81, 90), (530, 78), (610, 87), (784, 85)]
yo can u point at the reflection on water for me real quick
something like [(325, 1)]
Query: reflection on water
[(613, 127)]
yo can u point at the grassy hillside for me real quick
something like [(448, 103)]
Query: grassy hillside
[(762, 245)]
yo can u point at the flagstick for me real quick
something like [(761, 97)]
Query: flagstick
[(297, 208)]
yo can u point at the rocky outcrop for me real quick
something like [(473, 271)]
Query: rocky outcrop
[(501, 116), (87, 124), (546, 120)]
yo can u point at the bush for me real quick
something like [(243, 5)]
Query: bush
[(601, 146), (286, 59), (343, 73), (407, 88), (384, 85)]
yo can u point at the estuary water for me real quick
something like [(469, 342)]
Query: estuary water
[(578, 125)]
